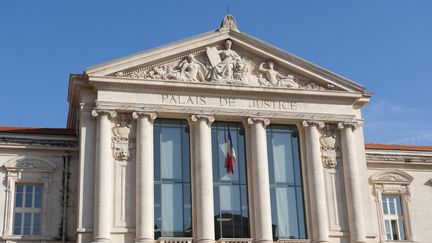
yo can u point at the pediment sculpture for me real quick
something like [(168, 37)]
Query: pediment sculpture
[(221, 65)]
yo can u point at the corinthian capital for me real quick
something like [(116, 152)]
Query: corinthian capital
[(352, 125), (258, 120), (308, 123), (209, 119), (151, 116), (97, 112)]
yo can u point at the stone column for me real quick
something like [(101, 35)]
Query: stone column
[(202, 178), (352, 183), (144, 187), (260, 179), (104, 166), (318, 200)]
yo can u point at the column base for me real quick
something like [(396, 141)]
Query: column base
[(263, 241), (204, 241), (101, 240), (144, 241)]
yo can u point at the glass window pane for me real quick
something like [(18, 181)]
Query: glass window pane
[(27, 224), (185, 153), (171, 167), (172, 211), (384, 204), (401, 230), (282, 158), (19, 199), (38, 200), (398, 205), (286, 186), (17, 224), (28, 196), (172, 187), (19, 188), (230, 193), (388, 229), (395, 230), (392, 201), (36, 223), (300, 210)]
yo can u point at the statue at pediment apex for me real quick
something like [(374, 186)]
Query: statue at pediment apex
[(226, 64)]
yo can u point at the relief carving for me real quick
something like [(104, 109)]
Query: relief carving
[(223, 65), (274, 78), (330, 151), (226, 64), (29, 164), (121, 141)]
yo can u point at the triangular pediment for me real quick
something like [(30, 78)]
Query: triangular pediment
[(226, 57)]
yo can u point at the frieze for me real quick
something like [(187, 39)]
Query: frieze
[(223, 65)]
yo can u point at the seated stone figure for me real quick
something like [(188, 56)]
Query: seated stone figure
[(227, 64)]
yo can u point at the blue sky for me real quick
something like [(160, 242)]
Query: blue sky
[(384, 45)]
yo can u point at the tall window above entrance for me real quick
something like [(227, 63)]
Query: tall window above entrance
[(286, 187), (229, 178), (172, 179)]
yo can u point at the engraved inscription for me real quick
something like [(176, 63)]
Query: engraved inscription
[(229, 102)]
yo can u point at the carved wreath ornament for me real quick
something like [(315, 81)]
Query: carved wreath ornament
[(121, 141), (329, 149)]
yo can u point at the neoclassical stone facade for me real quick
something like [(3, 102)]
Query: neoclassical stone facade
[(143, 157)]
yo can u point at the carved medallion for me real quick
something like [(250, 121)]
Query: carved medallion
[(121, 141), (330, 152)]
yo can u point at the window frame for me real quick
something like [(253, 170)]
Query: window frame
[(220, 126), (301, 200), (27, 170), (394, 182), (185, 181)]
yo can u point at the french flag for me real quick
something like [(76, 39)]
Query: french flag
[(230, 155)]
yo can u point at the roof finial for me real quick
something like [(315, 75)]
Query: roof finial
[(228, 22)]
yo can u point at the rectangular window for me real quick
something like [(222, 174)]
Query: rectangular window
[(28, 209), (286, 187), (172, 208), (393, 217), (230, 187)]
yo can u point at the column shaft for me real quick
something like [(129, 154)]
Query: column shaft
[(318, 200), (203, 178), (103, 179), (144, 188), (352, 185), (261, 185)]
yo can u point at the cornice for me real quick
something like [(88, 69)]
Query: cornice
[(39, 142)]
